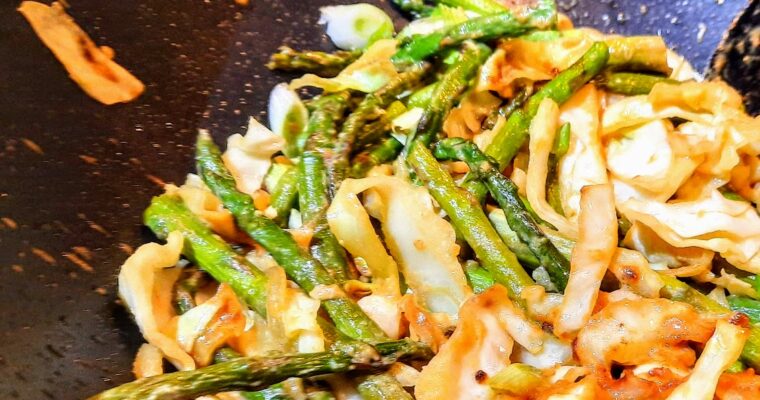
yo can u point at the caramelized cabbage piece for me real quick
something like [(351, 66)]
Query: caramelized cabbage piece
[(423, 243), (728, 227), (90, 66), (145, 285), (480, 347), (722, 350)]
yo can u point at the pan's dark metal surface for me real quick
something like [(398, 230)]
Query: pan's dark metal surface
[(75, 175)]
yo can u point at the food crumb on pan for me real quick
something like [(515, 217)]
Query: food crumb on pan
[(90, 66)]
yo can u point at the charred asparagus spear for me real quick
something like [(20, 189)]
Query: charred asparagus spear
[(631, 83), (488, 27), (510, 138), (469, 220), (369, 109), (250, 373), (168, 213), (316, 62), (313, 188), (300, 266), (505, 192)]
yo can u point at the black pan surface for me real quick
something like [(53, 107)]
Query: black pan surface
[(75, 175)]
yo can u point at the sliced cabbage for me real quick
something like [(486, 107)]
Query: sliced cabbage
[(521, 59), (287, 118), (465, 120), (422, 242), (145, 285), (722, 350), (356, 26), (681, 261), (292, 315), (149, 361), (542, 130), (210, 325), (369, 73), (730, 282), (643, 158), (202, 202), (728, 227), (583, 164), (479, 343), (248, 157), (633, 271), (442, 17), (597, 243)]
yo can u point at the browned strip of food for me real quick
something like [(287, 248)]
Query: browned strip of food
[(90, 66)]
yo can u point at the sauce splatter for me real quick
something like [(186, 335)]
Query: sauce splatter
[(10, 223), (44, 256), (88, 159), (34, 147), (79, 262)]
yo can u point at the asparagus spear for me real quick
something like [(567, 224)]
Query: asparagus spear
[(369, 109), (504, 191), (314, 195), (384, 152), (250, 373), (284, 196), (298, 264), (469, 219), (453, 82), (510, 138), (168, 213), (316, 62), (507, 109), (382, 387), (483, 7), (417, 8), (488, 27), (478, 277), (747, 306), (639, 53), (630, 83)]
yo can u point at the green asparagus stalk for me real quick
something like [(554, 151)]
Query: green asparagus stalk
[(507, 109), (478, 277), (384, 152), (469, 219), (488, 27), (746, 306), (167, 213), (510, 138), (630, 83), (316, 62), (453, 82), (639, 53), (680, 291), (421, 98), (382, 387), (417, 8), (314, 194), (369, 109), (284, 196), (483, 7), (299, 265), (504, 191), (250, 373), (377, 130)]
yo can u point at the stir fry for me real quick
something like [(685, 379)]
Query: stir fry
[(489, 204)]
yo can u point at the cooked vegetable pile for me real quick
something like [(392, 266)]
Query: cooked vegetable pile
[(488, 204)]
